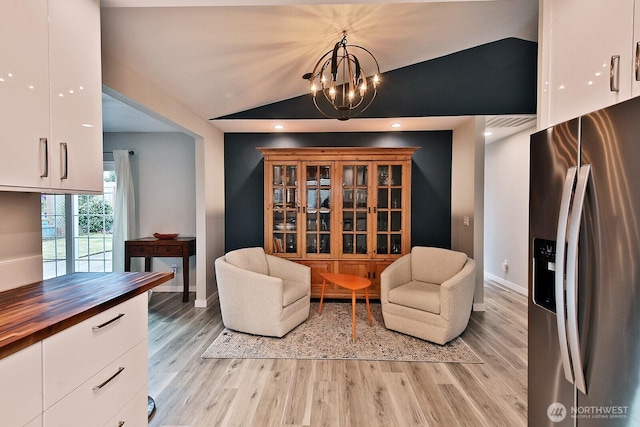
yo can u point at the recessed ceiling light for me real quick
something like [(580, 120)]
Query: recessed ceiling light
[(396, 125), (488, 133), (278, 127)]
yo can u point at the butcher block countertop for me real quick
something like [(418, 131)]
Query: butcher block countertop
[(31, 313)]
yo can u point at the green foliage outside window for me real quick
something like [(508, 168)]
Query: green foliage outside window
[(94, 215)]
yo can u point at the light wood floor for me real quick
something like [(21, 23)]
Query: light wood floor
[(190, 391)]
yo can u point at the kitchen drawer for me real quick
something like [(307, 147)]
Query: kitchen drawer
[(134, 414), (142, 250), (78, 353), (21, 386), (99, 399), (169, 250)]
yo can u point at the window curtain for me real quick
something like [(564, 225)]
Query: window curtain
[(124, 221)]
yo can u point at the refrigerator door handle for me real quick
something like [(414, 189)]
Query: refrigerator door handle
[(561, 238), (572, 279)]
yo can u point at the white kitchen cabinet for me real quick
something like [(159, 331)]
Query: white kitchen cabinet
[(101, 397), (587, 56), (50, 96), (24, 92), (131, 415), (21, 402), (96, 342)]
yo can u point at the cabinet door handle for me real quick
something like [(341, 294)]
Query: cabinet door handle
[(64, 161), (108, 380), (44, 153), (614, 74), (121, 423), (638, 62), (108, 322)]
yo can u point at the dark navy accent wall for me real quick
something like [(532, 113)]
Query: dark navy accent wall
[(491, 79), (430, 180)]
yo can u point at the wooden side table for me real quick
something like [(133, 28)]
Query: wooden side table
[(353, 283), (150, 247)]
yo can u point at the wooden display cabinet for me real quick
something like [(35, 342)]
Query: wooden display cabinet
[(343, 210)]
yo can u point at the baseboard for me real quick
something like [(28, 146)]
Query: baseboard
[(202, 303), (172, 288), (479, 307), (506, 284)]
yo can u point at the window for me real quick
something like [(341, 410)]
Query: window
[(90, 219)]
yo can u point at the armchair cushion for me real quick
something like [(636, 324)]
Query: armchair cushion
[(293, 291), (419, 295), (435, 265)]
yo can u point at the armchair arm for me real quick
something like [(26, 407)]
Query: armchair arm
[(288, 270), (456, 293), (396, 274)]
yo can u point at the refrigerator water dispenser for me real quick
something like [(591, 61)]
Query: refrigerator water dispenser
[(544, 273)]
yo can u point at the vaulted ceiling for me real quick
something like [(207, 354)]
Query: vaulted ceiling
[(221, 57)]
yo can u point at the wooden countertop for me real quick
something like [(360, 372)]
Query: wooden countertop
[(31, 313)]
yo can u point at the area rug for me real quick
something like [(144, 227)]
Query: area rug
[(329, 337)]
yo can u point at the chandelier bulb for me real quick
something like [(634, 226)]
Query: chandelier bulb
[(376, 81), (332, 93)]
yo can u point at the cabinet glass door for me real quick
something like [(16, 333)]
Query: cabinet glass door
[(318, 209), (285, 209), (354, 209), (389, 209)]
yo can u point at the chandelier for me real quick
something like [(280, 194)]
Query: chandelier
[(338, 83)]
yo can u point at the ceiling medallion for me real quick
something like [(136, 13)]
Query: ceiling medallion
[(339, 76)]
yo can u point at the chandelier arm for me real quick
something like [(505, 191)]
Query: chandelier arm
[(370, 54), (320, 109), (334, 61)]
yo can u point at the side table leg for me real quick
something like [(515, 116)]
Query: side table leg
[(353, 316), (185, 278), (324, 282)]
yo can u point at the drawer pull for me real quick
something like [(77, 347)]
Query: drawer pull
[(108, 322), (108, 380)]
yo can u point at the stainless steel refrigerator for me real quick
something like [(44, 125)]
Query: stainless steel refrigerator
[(584, 271)]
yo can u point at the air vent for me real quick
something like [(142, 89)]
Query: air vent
[(509, 121)]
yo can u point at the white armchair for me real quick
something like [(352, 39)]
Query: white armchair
[(428, 293), (262, 294)]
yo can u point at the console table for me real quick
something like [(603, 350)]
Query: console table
[(150, 247)]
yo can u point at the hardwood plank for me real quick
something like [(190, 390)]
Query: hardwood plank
[(191, 391)]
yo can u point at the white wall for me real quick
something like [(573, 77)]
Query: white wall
[(507, 210), (124, 84), (20, 239), (467, 197), (163, 169)]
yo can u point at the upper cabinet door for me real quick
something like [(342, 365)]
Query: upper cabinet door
[(76, 90), (24, 93), (588, 54)]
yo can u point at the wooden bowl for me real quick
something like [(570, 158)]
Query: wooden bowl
[(166, 236)]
